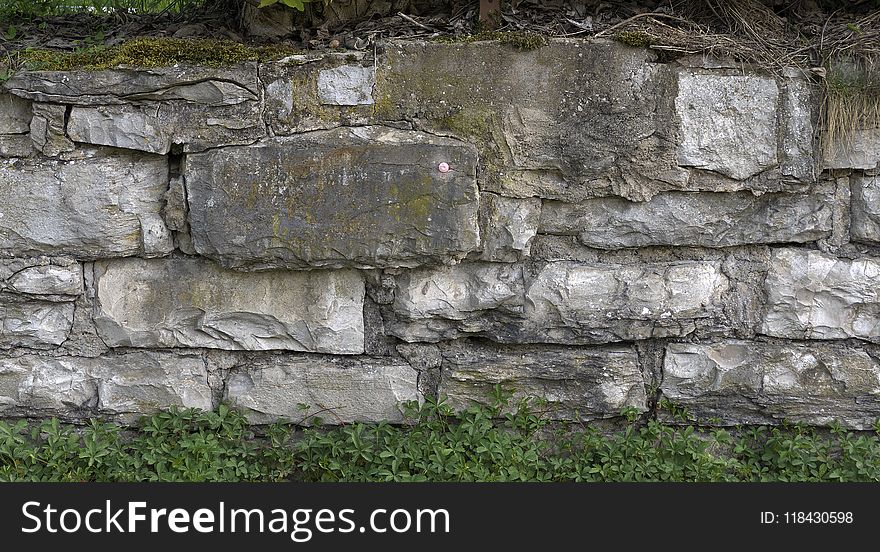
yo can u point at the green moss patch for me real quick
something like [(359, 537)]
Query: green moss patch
[(519, 40), (153, 52)]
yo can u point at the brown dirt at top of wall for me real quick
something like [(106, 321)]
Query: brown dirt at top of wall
[(761, 31)]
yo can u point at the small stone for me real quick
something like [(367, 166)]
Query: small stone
[(347, 85), (49, 280), (728, 123)]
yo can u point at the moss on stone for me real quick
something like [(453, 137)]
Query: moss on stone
[(638, 39), (521, 40), (153, 52)]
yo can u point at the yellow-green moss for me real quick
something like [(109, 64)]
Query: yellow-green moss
[(521, 40), (153, 52), (638, 39)]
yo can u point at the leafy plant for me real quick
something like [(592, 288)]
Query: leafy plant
[(496, 442), (296, 4)]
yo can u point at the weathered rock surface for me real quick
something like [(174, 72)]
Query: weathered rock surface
[(812, 295), (47, 129), (339, 390), (42, 276), (595, 303), (205, 85), (576, 120), (15, 114), (798, 111), (452, 292), (196, 303), (367, 196), (508, 226), (124, 386), (33, 324), (48, 280), (704, 219), (347, 85), (565, 302), (15, 145), (861, 150), (579, 383), (744, 382), (865, 209), (728, 123), (156, 126), (104, 203)]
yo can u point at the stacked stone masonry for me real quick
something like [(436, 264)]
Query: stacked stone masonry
[(583, 222)]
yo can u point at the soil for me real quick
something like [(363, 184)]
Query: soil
[(650, 22)]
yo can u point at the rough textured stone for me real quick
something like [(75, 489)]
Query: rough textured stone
[(573, 302), (861, 150), (47, 129), (104, 204), (705, 219), (52, 278), (15, 114), (33, 324), (339, 390), (196, 303), (508, 226), (743, 382), (865, 211), (205, 85), (728, 123), (124, 386), (812, 295), (798, 112), (578, 383), (565, 121), (15, 145), (156, 126), (48, 280), (347, 85), (566, 302), (367, 196), (454, 291)]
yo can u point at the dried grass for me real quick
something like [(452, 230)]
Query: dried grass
[(843, 53)]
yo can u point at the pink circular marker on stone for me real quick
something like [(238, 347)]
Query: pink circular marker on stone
[(443, 167)]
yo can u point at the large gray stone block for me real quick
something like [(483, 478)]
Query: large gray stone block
[(123, 386), (339, 390), (157, 126), (205, 85), (565, 302), (744, 382), (366, 196), (196, 303), (812, 295), (578, 383), (574, 302), (703, 219), (104, 203)]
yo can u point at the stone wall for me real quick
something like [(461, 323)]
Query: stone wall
[(612, 230)]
